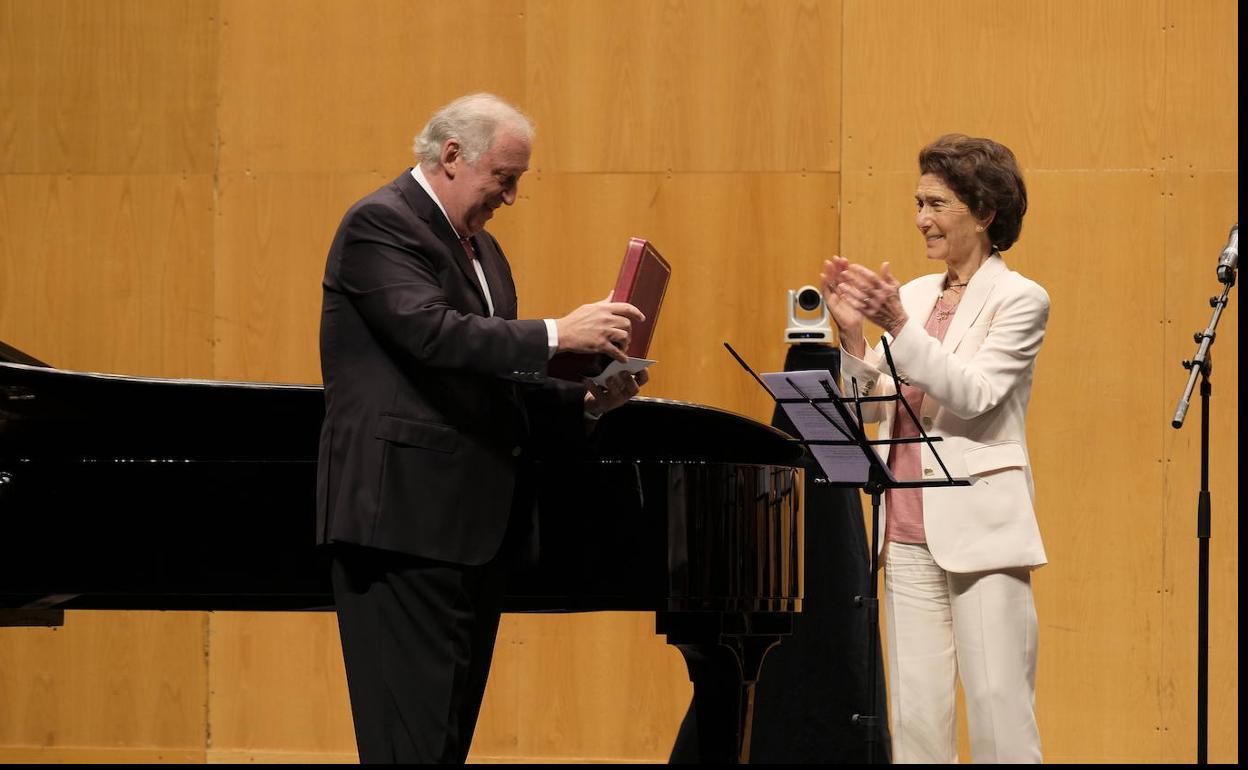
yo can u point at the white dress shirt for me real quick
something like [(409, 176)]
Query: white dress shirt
[(552, 331)]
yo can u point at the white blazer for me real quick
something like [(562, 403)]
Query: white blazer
[(977, 384)]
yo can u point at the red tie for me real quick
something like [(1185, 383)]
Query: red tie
[(472, 269)]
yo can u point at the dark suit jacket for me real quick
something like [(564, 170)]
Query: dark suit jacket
[(422, 433)]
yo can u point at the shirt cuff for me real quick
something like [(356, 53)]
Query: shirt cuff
[(552, 337)]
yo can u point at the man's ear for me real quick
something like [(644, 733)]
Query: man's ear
[(452, 156)]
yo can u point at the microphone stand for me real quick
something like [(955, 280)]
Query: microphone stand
[(1200, 366)]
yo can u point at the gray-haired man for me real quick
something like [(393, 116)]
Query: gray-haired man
[(425, 423)]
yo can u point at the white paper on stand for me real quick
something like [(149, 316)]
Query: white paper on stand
[(842, 463)]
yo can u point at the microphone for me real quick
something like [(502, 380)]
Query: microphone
[(1228, 261)]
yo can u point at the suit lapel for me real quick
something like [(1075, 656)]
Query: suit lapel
[(425, 208), (977, 293), (919, 297), (490, 257)]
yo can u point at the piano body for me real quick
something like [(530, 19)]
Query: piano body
[(128, 493)]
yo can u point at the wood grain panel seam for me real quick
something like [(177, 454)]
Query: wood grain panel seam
[(1159, 691), (218, 38), (207, 637)]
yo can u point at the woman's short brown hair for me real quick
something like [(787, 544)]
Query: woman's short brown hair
[(985, 176)]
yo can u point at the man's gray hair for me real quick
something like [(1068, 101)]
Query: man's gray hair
[(475, 121)]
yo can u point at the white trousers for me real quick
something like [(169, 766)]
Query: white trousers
[(940, 624)]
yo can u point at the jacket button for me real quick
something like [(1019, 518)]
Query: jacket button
[(516, 451), (929, 472)]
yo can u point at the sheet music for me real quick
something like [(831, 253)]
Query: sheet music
[(840, 463)]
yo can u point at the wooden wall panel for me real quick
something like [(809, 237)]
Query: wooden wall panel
[(278, 685), (106, 193), (1198, 209), (1065, 84), (1092, 239), (595, 685), (737, 243), (107, 86), (1202, 85), (105, 679), (273, 234), (73, 755), (877, 225), (108, 273), (113, 274), (704, 85), (600, 685), (328, 86), (561, 687)]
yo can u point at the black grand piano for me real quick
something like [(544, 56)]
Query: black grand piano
[(129, 493)]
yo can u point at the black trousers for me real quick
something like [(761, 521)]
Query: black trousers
[(417, 639)]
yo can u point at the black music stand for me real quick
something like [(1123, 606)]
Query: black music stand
[(834, 435)]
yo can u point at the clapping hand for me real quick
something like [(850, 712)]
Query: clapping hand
[(853, 292)]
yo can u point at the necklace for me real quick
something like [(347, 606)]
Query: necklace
[(943, 311)]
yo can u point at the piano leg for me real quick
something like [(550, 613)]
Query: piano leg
[(724, 653)]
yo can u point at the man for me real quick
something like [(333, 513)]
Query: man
[(425, 422)]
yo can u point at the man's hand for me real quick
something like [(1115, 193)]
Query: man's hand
[(614, 393), (600, 327)]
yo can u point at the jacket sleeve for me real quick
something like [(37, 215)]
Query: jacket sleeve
[(970, 388), (871, 381), (556, 411), (395, 280)]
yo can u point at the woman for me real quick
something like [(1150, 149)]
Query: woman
[(957, 559)]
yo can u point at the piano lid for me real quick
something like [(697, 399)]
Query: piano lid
[(59, 413), (10, 354), (132, 492)]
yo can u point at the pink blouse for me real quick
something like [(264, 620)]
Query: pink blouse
[(904, 523)]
